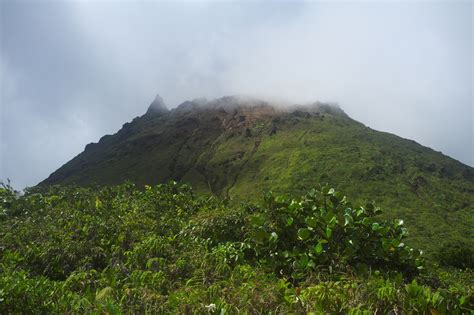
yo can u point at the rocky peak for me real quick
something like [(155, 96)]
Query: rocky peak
[(157, 106)]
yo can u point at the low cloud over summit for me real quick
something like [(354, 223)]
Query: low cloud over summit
[(72, 72)]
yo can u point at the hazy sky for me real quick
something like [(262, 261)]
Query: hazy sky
[(72, 72)]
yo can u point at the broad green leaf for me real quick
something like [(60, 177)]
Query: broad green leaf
[(318, 249), (325, 190), (303, 234), (375, 226), (348, 219), (311, 221), (257, 220), (260, 234), (328, 232), (303, 261), (339, 196), (273, 237), (294, 206)]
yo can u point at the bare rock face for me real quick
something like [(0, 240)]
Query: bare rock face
[(157, 107), (240, 111)]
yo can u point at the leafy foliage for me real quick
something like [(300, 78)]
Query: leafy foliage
[(323, 231), (163, 250)]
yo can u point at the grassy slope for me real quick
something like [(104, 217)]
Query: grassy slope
[(432, 192)]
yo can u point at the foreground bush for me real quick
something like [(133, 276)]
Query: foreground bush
[(321, 231), (160, 250)]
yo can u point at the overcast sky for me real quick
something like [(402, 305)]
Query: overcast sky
[(72, 72)]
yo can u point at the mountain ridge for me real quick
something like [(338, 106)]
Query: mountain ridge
[(234, 112)]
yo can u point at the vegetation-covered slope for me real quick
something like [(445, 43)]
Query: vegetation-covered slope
[(239, 148), (162, 250)]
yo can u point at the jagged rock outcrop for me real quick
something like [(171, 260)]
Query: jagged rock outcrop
[(157, 107)]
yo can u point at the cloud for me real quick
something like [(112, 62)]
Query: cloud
[(82, 69)]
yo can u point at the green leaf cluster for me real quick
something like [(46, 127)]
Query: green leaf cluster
[(322, 231)]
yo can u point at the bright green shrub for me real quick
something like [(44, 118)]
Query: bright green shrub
[(322, 231)]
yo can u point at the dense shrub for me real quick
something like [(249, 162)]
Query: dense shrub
[(457, 254), (163, 250), (322, 231)]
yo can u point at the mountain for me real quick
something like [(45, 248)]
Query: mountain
[(239, 147)]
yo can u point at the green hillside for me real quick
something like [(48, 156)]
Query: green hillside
[(240, 147)]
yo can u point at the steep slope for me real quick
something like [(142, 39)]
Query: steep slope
[(240, 147)]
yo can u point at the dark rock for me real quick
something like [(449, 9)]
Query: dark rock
[(273, 131), (104, 138), (90, 146), (157, 107)]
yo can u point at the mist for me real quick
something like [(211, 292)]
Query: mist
[(72, 72)]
